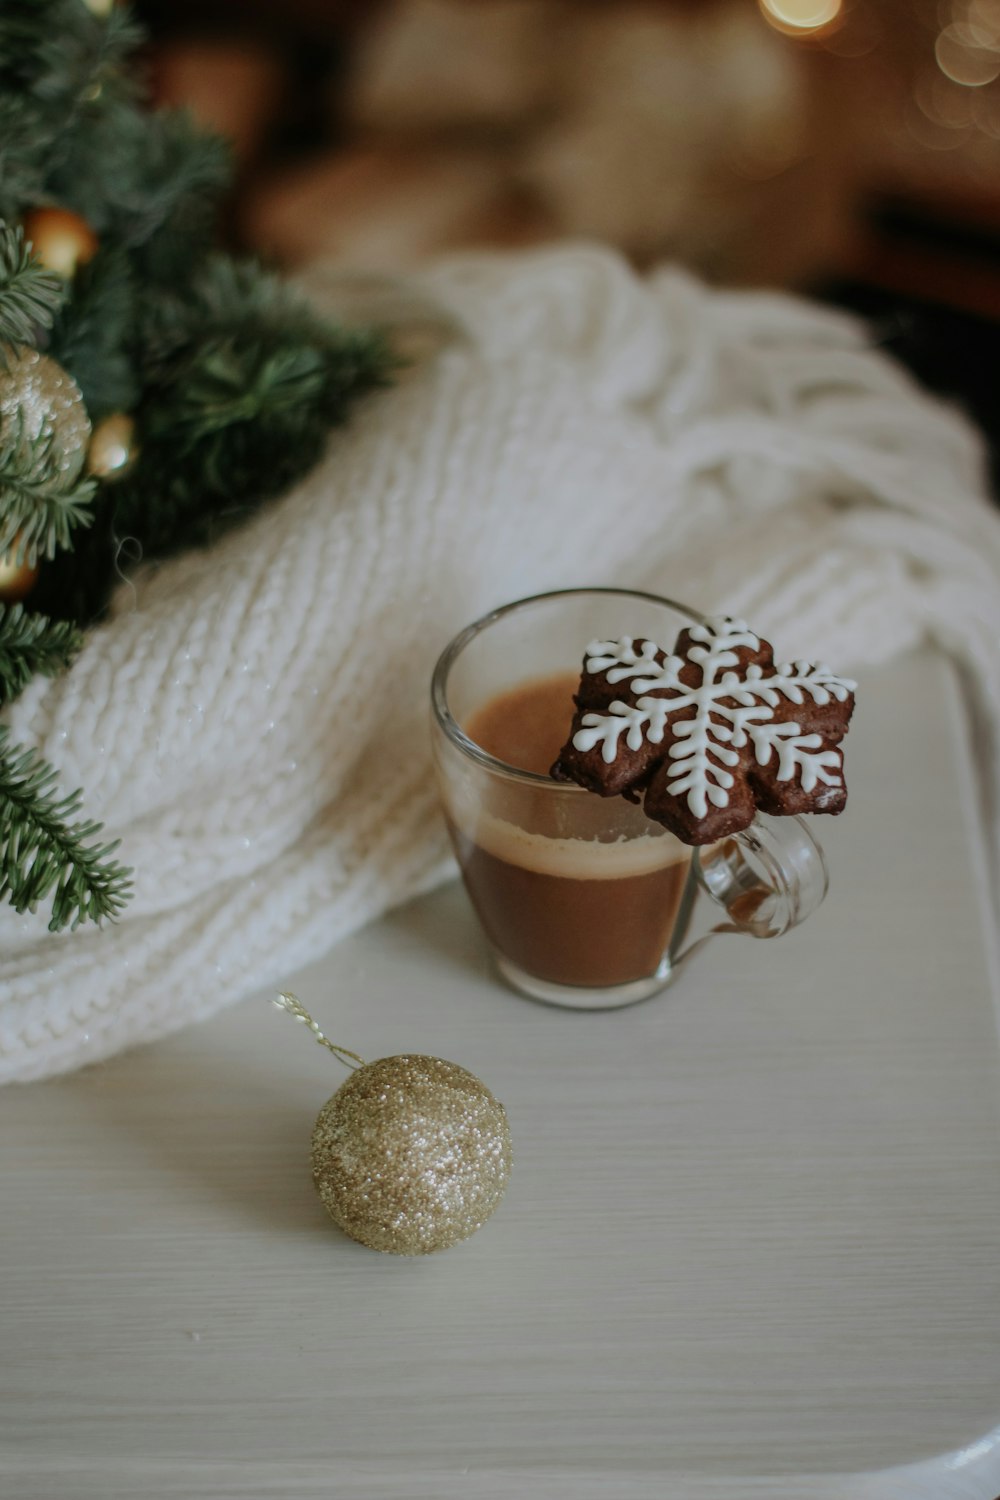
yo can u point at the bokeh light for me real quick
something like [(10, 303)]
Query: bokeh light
[(982, 17), (962, 59), (801, 17)]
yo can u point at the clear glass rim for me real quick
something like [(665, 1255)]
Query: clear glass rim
[(439, 678)]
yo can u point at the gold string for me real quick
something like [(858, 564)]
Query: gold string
[(296, 1009)]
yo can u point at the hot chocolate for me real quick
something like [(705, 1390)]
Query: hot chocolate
[(584, 885), (568, 908), (526, 726)]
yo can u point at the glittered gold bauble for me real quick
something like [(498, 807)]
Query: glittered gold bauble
[(412, 1154), (60, 239), (113, 449), (17, 579), (36, 393), (100, 7)]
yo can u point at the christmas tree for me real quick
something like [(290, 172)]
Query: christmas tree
[(153, 391)]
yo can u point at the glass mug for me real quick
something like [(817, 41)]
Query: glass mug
[(584, 900)]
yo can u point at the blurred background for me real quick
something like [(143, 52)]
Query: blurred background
[(849, 149)]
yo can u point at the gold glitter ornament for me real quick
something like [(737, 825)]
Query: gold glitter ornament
[(113, 449), (38, 394), (412, 1154)]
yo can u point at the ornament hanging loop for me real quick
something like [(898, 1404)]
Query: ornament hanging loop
[(290, 1003)]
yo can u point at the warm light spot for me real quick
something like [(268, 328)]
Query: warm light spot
[(961, 59), (798, 17), (982, 17)]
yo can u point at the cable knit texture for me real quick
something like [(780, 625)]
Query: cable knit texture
[(251, 721)]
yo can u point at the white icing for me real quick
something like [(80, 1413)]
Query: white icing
[(705, 745)]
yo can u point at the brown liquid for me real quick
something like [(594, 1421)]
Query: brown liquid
[(571, 911), (528, 726)]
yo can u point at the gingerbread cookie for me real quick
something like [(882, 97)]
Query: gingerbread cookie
[(708, 734)]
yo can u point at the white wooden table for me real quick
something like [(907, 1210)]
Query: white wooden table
[(751, 1247)]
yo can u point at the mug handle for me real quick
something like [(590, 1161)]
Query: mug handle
[(767, 878)]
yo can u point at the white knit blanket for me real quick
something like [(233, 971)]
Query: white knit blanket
[(252, 721)]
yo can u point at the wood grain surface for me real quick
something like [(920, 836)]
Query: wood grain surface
[(749, 1248)]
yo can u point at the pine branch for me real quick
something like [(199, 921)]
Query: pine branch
[(85, 59), (171, 202), (92, 336), (29, 295), (31, 643), (237, 301), (243, 383), (225, 384), (38, 508), (85, 90), (62, 71), (46, 856), (21, 173)]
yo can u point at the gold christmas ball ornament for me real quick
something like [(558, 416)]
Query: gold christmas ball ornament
[(60, 239), (412, 1154), (113, 449), (17, 579), (38, 394)]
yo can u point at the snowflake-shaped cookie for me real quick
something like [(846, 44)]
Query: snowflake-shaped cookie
[(709, 733)]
